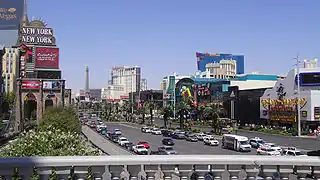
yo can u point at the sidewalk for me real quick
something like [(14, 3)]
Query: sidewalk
[(104, 144)]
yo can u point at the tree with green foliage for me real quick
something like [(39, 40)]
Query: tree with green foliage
[(151, 106), (63, 118), (212, 114), (183, 110), (167, 112)]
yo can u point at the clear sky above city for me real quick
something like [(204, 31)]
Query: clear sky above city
[(163, 36)]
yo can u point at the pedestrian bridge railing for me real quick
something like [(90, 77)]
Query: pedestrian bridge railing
[(161, 167)]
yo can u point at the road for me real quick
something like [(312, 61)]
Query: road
[(103, 143), (133, 134), (306, 144)]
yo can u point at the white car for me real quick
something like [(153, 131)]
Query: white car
[(117, 131), (210, 140), (140, 149), (122, 141), (156, 131), (273, 146), (200, 136), (293, 153), (145, 129), (267, 151)]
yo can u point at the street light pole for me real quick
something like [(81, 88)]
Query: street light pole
[(174, 99), (132, 74), (298, 93)]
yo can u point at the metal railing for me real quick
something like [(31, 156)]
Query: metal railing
[(162, 167)]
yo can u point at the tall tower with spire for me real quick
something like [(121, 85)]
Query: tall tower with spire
[(87, 79)]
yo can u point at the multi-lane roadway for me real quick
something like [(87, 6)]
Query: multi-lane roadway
[(133, 133), (303, 143)]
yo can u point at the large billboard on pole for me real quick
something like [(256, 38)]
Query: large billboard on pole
[(11, 12), (47, 57)]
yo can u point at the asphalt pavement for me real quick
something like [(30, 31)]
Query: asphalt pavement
[(302, 143), (104, 144), (134, 134)]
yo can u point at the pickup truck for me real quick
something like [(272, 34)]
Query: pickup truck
[(122, 141), (140, 149)]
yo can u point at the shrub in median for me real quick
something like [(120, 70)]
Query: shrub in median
[(63, 118), (53, 142)]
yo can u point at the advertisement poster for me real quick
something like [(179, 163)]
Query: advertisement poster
[(31, 85), (47, 57), (11, 12), (51, 85)]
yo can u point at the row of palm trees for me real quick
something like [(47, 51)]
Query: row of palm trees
[(205, 113)]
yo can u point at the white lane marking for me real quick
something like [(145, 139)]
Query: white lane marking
[(129, 126)]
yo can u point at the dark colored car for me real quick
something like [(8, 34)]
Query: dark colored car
[(191, 138), (168, 142), (114, 138), (166, 133), (129, 146), (178, 135)]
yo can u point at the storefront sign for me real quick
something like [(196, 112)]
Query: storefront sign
[(47, 57), (30, 85), (37, 36)]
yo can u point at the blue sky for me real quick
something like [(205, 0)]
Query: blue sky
[(162, 36)]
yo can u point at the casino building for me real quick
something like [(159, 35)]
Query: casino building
[(279, 104), (39, 81)]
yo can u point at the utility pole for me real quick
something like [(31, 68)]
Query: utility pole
[(298, 93)]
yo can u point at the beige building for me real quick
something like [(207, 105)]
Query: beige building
[(223, 70), (10, 69)]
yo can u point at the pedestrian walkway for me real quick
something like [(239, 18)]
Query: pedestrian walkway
[(107, 146)]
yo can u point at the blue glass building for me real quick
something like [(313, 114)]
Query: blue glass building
[(205, 58)]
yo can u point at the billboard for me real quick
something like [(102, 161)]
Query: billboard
[(11, 12), (47, 57), (37, 36), (30, 85), (51, 85)]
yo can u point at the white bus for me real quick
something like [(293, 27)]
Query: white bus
[(235, 142)]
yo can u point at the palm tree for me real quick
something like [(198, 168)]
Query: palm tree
[(167, 111), (151, 106), (183, 110), (143, 112), (212, 114)]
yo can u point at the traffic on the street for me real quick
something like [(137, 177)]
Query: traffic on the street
[(144, 140)]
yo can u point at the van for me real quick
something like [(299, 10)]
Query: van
[(235, 142)]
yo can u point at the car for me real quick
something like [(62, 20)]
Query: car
[(144, 143), (267, 151), (168, 142), (93, 125), (178, 135), (129, 146), (140, 149), (210, 140), (290, 152), (200, 136), (101, 127), (274, 146), (117, 132), (166, 133), (145, 129), (192, 138), (166, 150), (114, 138), (103, 132), (156, 131), (122, 141), (256, 142)]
